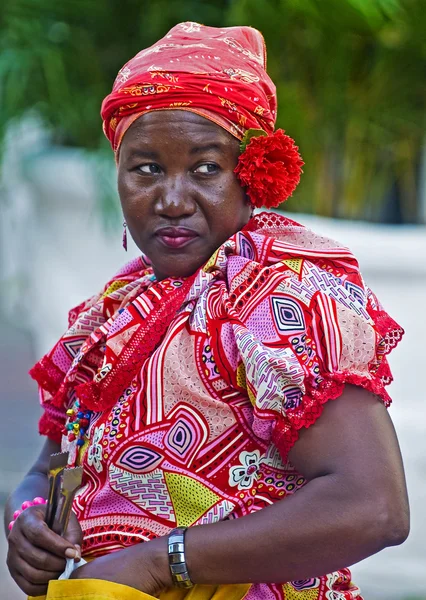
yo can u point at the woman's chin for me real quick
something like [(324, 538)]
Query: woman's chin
[(176, 268)]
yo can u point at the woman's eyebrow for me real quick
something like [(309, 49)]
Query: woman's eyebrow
[(206, 148), (136, 153)]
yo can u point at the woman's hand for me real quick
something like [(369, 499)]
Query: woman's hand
[(37, 554), (143, 567)]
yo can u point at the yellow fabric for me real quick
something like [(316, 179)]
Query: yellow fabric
[(208, 592), (96, 589), (91, 589)]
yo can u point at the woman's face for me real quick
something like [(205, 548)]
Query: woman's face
[(180, 197)]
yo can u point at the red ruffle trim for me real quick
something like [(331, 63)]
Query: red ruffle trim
[(51, 379), (48, 376), (286, 429), (389, 329), (49, 428), (102, 395)]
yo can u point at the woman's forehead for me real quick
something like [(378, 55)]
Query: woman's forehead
[(159, 126)]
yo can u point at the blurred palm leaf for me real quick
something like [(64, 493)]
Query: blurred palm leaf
[(351, 90)]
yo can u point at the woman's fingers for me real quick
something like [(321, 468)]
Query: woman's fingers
[(32, 580), (34, 576), (30, 589), (74, 533), (31, 525), (40, 559), (36, 554), (78, 555)]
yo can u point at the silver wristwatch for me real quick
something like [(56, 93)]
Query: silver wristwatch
[(177, 562)]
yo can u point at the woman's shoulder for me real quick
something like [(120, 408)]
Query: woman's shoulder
[(287, 236), (131, 272), (279, 246)]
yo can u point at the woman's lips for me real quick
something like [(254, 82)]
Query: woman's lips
[(176, 237)]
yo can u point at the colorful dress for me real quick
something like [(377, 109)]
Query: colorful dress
[(270, 329)]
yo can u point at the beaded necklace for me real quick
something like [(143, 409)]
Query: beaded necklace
[(77, 423)]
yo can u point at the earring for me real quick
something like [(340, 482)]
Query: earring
[(125, 236)]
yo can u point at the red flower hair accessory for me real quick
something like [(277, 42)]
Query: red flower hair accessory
[(269, 167)]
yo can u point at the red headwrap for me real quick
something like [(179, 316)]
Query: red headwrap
[(218, 73)]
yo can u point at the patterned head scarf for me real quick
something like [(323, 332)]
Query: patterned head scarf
[(218, 73)]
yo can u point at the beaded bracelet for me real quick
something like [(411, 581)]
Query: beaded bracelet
[(36, 502)]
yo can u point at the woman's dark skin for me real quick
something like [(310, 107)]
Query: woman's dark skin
[(175, 169)]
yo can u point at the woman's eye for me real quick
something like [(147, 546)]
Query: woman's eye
[(207, 168), (149, 169)]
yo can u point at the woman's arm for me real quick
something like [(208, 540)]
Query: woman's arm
[(354, 504)]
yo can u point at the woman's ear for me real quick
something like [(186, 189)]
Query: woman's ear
[(249, 202)]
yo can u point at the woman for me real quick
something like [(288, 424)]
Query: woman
[(195, 388)]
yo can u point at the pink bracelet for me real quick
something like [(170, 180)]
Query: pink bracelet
[(38, 500)]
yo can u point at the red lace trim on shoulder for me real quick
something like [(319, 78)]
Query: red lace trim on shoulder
[(269, 220), (286, 429), (48, 376), (389, 329), (50, 428)]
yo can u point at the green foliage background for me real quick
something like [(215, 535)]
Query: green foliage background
[(350, 76)]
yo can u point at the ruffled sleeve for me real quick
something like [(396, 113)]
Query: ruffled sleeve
[(54, 368), (302, 332), (60, 370)]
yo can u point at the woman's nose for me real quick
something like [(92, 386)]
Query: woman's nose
[(175, 199)]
